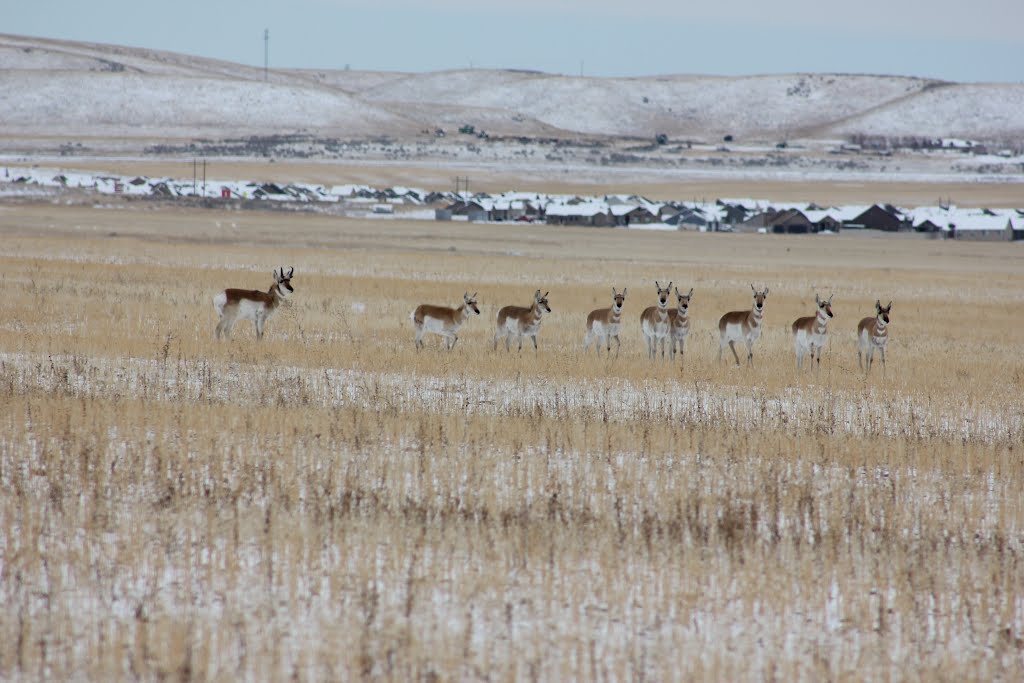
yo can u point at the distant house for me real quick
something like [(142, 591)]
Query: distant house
[(517, 206), (593, 214), (876, 217), (732, 214), (690, 219), (464, 207), (625, 214), (161, 189), (983, 226), (823, 220), (668, 210), (758, 220), (508, 209), (927, 224), (272, 191), (790, 222)]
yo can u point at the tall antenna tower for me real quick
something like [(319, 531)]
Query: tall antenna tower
[(266, 53)]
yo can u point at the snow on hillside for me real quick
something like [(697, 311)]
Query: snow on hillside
[(987, 111), (75, 103), (20, 52), (675, 105), (49, 87), (350, 81)]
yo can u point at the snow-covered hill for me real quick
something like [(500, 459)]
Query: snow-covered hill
[(50, 87)]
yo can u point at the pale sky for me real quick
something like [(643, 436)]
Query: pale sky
[(957, 40)]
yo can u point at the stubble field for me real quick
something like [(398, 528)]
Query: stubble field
[(331, 504)]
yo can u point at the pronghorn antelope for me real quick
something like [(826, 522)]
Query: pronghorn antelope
[(443, 320), (244, 304), (679, 320), (809, 333), (873, 333), (604, 323), (520, 321), (742, 326), (655, 322)]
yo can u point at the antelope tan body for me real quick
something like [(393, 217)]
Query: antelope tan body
[(742, 326), (442, 320), (872, 334), (521, 321), (656, 322), (811, 332), (604, 324), (679, 322), (233, 305)]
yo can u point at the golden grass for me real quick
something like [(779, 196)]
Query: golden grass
[(329, 503)]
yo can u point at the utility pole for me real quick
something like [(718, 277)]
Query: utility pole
[(266, 53)]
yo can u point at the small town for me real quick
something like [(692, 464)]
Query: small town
[(943, 221)]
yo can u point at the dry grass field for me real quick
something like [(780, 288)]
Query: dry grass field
[(331, 504)]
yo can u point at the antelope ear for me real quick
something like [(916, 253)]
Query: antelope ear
[(614, 293), (474, 295), (277, 278), (752, 288), (656, 284), (691, 292), (878, 304), (624, 290), (536, 295), (677, 292), (766, 291), (889, 307), (669, 285), (830, 297)]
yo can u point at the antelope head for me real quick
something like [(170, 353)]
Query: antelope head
[(881, 312), (470, 302), (283, 282), (824, 305), (618, 298), (541, 301), (683, 299), (663, 294), (759, 298)]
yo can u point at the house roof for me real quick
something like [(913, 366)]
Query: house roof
[(582, 209), (976, 220), (818, 215)]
